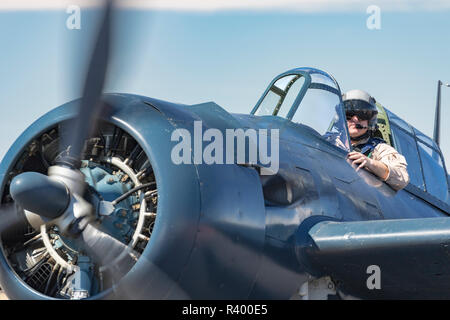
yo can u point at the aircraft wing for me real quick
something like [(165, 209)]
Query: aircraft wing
[(411, 256)]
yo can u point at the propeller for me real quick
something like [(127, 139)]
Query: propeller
[(12, 219), (81, 128), (57, 199), (112, 255)]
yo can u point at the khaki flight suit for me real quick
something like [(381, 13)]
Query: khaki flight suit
[(398, 177)]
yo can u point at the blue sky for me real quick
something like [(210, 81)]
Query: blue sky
[(226, 56)]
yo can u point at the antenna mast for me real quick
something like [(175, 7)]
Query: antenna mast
[(437, 119)]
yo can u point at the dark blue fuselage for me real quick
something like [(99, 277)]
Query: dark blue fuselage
[(223, 231)]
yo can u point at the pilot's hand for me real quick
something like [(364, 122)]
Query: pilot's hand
[(359, 160), (374, 166)]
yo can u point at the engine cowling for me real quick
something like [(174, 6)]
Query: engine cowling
[(208, 236)]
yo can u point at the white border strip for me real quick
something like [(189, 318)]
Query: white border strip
[(306, 6)]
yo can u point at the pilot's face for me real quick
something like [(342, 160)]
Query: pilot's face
[(352, 130)]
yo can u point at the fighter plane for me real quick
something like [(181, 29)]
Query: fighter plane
[(93, 207)]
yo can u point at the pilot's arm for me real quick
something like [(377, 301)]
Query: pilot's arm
[(386, 163), (398, 177)]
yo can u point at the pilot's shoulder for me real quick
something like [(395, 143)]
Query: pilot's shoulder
[(384, 148)]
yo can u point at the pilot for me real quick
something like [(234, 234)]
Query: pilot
[(370, 152)]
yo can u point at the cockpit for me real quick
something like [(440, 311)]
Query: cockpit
[(313, 98), (310, 97)]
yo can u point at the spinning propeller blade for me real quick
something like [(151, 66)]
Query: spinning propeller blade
[(49, 197), (112, 255), (80, 128), (12, 218)]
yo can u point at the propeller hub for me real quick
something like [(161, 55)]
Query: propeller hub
[(57, 198), (40, 194), (73, 179)]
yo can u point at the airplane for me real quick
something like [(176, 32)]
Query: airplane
[(93, 206)]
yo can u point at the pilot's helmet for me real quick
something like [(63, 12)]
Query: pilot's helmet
[(362, 104)]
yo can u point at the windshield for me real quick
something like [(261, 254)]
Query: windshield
[(281, 96), (322, 110), (309, 97)]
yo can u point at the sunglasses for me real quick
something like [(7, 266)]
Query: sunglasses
[(362, 115)]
